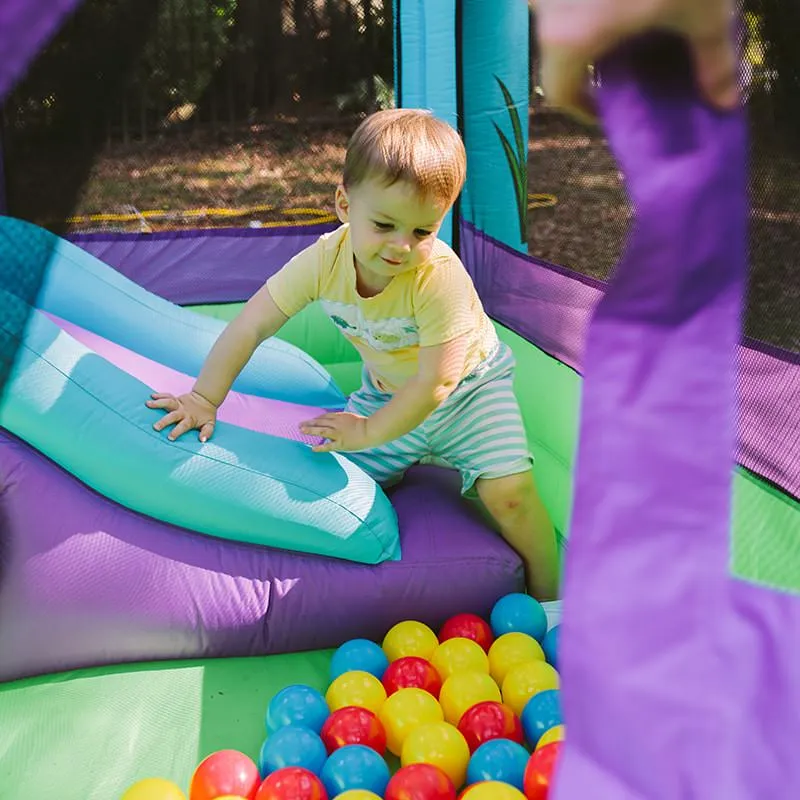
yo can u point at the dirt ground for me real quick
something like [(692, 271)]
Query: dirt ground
[(256, 176)]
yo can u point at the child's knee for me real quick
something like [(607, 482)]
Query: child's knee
[(506, 496)]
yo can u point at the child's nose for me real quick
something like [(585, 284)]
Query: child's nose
[(402, 244)]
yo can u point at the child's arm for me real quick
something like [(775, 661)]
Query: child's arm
[(440, 370), (258, 320)]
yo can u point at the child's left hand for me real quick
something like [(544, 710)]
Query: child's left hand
[(343, 430)]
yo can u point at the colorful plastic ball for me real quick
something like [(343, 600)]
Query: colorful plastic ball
[(403, 712), (526, 680), (291, 783), (464, 690), (355, 767), (359, 654), (499, 760), (297, 705), (409, 638), (541, 712), (468, 626), (420, 782), (555, 734), (511, 649), (356, 688), (539, 772), (491, 790), (550, 645), (292, 746), (459, 655), (354, 725), (521, 613), (357, 794), (412, 672), (224, 772), (440, 744), (154, 789), (490, 720)]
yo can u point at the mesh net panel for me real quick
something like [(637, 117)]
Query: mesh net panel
[(579, 213), (194, 113)]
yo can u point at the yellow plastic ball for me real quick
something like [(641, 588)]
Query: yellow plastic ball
[(440, 744), (404, 711), (511, 649), (492, 790), (555, 734), (356, 688), (459, 655), (463, 690), (409, 638), (154, 789), (526, 680), (357, 794)]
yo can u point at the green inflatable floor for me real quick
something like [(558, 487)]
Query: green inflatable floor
[(90, 734)]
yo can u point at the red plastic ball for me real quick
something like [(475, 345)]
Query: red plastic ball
[(291, 783), (420, 782), (539, 771), (490, 720), (412, 672), (353, 725), (225, 772), (468, 626)]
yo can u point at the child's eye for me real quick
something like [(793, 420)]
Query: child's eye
[(422, 234), (382, 226)]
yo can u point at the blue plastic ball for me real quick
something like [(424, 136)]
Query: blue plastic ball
[(550, 645), (541, 712), (521, 613), (359, 654), (298, 705), (499, 760), (355, 766), (292, 746)]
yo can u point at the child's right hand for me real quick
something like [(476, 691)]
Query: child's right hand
[(185, 412)]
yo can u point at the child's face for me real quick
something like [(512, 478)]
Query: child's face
[(392, 228)]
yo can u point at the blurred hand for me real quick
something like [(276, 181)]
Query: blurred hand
[(186, 412), (343, 430), (576, 33)]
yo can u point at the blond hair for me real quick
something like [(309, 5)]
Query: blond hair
[(411, 145)]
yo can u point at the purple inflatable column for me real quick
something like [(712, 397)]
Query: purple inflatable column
[(649, 679), (25, 27)]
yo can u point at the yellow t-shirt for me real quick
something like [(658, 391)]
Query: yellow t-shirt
[(429, 306)]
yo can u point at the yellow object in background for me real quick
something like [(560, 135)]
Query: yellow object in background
[(463, 690), (410, 638), (154, 789), (356, 688), (511, 649), (404, 711), (526, 680), (459, 655), (440, 744), (357, 794)]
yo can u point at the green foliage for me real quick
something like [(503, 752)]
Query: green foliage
[(516, 156)]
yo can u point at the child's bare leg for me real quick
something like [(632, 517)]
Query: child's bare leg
[(514, 505)]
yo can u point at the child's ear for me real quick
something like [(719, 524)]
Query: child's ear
[(342, 202)]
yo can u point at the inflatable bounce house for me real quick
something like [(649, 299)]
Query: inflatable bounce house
[(155, 596)]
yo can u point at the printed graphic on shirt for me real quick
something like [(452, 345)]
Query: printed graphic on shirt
[(392, 333)]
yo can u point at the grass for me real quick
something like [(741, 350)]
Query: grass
[(285, 165)]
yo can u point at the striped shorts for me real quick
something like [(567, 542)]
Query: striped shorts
[(478, 430)]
